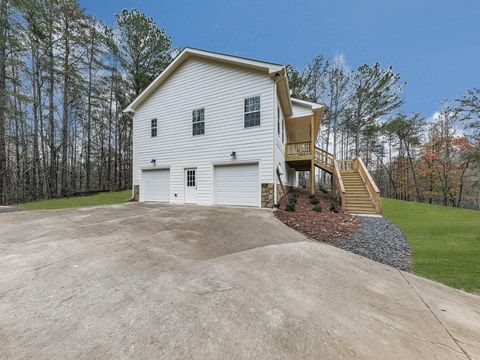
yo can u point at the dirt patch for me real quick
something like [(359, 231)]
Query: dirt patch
[(327, 226)]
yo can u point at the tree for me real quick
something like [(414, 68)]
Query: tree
[(337, 95), (297, 83), (409, 130), (144, 49), (376, 92), (468, 107), (4, 24)]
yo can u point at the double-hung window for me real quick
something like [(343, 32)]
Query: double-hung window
[(251, 115), (198, 122), (153, 128)]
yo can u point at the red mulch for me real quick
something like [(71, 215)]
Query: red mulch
[(326, 226)]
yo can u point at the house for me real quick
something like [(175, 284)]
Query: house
[(220, 129)]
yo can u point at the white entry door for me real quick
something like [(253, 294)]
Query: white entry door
[(191, 186)]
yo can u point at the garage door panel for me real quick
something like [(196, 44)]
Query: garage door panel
[(155, 185), (237, 185)]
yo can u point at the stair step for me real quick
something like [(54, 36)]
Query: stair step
[(370, 212), (357, 196), (366, 204), (360, 208)]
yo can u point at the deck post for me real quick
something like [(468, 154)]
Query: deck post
[(312, 153)]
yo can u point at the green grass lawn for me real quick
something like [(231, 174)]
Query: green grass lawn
[(104, 198), (445, 241)]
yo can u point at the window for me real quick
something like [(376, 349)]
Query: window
[(278, 121), (190, 178), (198, 122), (252, 111), (153, 128)]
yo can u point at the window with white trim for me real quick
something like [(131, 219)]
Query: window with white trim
[(198, 122), (252, 111), (153, 128)]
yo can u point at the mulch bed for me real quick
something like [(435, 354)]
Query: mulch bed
[(327, 226)]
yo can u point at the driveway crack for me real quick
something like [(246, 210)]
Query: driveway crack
[(435, 316)]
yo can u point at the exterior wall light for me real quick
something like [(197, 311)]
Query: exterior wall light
[(153, 161), (233, 154)]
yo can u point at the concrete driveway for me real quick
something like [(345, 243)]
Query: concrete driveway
[(145, 281)]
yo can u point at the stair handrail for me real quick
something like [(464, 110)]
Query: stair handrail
[(372, 188), (339, 187), (325, 157)]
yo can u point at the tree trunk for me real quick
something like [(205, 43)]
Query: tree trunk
[(89, 117), (52, 178), (460, 191), (66, 84), (414, 175), (3, 101)]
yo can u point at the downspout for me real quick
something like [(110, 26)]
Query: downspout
[(131, 114), (275, 196)]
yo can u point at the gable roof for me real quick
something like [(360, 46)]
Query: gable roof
[(274, 70)]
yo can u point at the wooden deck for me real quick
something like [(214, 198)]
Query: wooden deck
[(353, 186)]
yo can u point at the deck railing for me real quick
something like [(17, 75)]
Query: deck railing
[(338, 187), (324, 157), (344, 164), (298, 151)]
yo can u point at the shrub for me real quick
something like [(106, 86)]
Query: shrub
[(292, 199), (314, 201), (311, 196), (317, 208), (290, 207), (295, 194), (335, 207)]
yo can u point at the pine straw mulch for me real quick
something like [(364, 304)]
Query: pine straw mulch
[(326, 226)]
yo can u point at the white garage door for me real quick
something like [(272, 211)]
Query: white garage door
[(155, 185), (237, 185)]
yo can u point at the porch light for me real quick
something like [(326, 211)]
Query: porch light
[(153, 161), (233, 154)]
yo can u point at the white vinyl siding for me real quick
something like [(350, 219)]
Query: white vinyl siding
[(223, 91), (301, 110)]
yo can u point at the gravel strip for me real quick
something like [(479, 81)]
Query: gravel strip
[(7, 209), (380, 240)]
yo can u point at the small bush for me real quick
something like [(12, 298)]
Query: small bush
[(334, 207), (311, 196), (295, 194), (314, 201), (290, 207), (292, 199), (317, 208)]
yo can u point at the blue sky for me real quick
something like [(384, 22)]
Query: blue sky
[(435, 45)]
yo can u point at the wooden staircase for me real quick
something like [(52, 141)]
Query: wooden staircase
[(353, 185), (357, 198)]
